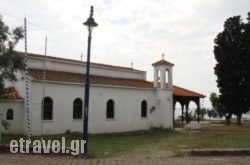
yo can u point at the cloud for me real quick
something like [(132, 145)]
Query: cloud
[(138, 31)]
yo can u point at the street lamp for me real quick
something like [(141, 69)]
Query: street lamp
[(90, 23)]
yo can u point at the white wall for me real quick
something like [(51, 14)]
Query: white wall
[(78, 67), (16, 125), (63, 97), (165, 104), (127, 108)]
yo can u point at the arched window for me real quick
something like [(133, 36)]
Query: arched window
[(47, 104), (144, 108), (10, 114), (110, 111), (77, 109)]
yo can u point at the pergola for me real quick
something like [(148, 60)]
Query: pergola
[(184, 97)]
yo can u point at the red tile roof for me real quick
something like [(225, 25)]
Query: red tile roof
[(10, 93), (80, 78), (102, 80), (179, 91), (162, 62)]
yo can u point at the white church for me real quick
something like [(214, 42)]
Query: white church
[(121, 99)]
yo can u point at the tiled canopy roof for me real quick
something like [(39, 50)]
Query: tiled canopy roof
[(10, 93), (102, 80), (162, 62), (182, 92)]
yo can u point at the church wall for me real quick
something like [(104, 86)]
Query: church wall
[(127, 108), (63, 97), (16, 125), (127, 116)]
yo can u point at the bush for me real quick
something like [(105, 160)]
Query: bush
[(5, 124)]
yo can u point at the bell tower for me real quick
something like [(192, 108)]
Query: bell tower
[(163, 83), (163, 74)]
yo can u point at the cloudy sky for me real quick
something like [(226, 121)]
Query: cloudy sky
[(131, 31)]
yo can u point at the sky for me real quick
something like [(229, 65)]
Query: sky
[(130, 31)]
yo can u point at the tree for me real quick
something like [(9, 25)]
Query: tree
[(10, 60), (214, 99), (190, 116), (202, 112), (231, 52), (217, 110), (246, 42)]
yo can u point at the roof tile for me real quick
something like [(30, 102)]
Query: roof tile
[(80, 78), (10, 93), (102, 80), (162, 62), (179, 91)]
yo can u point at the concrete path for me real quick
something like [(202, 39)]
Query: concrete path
[(25, 159)]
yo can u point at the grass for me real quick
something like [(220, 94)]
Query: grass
[(125, 143), (215, 135)]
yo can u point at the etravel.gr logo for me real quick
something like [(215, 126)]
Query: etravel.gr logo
[(47, 146)]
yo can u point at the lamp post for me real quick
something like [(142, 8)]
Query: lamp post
[(90, 23)]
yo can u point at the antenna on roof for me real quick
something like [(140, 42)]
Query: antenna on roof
[(81, 56), (44, 87), (132, 64), (27, 89)]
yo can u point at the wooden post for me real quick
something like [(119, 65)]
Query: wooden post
[(1, 126), (182, 114), (187, 114)]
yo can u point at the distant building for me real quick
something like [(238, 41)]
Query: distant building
[(121, 99)]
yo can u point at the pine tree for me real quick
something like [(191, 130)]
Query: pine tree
[(231, 52)]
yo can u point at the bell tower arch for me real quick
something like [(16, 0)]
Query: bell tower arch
[(163, 74)]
